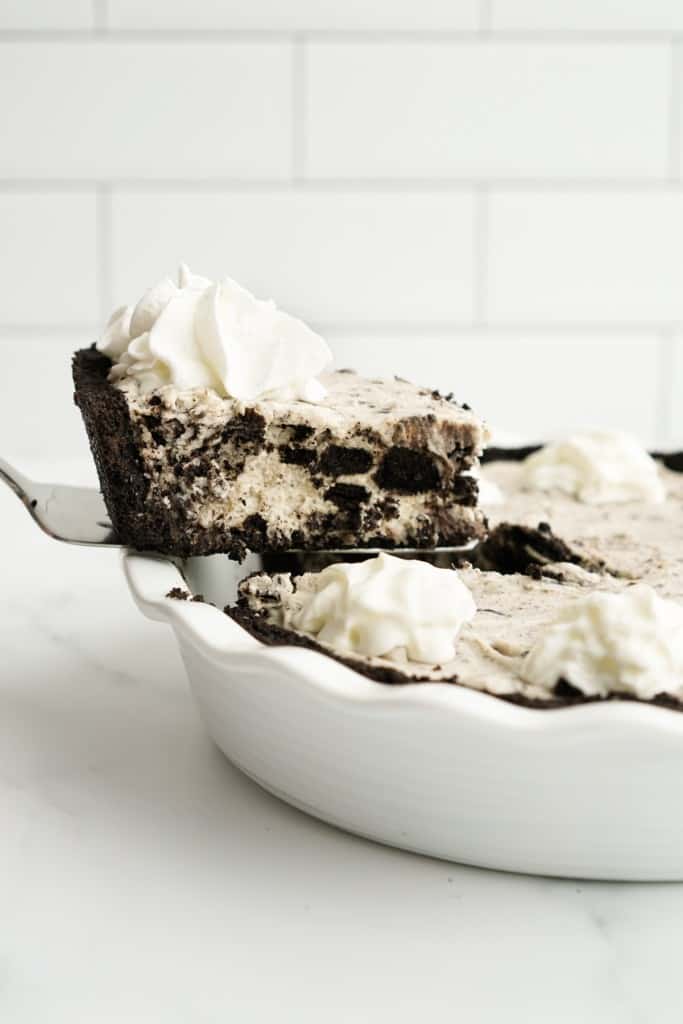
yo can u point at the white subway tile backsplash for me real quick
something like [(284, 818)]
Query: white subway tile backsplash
[(398, 176), (346, 256), (48, 259), (531, 387), (587, 15), (40, 15), (296, 15), (49, 425), (598, 257), (148, 110), (487, 110)]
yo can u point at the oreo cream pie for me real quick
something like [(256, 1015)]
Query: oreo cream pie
[(217, 426), (540, 642), (578, 593)]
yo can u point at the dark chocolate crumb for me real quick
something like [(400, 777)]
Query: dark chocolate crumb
[(178, 594), (465, 490), (293, 455), (255, 531), (249, 426), (338, 460), (158, 437), (301, 432), (408, 471), (346, 494), (512, 547), (565, 690), (389, 507)]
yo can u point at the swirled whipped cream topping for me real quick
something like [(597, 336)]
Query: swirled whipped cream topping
[(386, 605), (204, 334), (596, 468), (631, 643)]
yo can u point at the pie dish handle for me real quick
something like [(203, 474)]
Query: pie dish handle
[(151, 577)]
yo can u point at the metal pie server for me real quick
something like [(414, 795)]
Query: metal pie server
[(75, 515)]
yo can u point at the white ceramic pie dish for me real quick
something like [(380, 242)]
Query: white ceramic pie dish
[(593, 791)]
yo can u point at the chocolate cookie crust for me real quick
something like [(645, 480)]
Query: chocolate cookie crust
[(116, 451), (379, 464)]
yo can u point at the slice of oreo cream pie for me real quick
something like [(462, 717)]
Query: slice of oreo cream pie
[(217, 426)]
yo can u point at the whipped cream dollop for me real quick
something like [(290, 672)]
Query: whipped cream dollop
[(204, 334), (596, 468), (603, 643), (385, 606)]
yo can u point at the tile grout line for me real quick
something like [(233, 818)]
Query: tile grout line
[(607, 330), (103, 249), (480, 261), (298, 109), (480, 34), (331, 186), (675, 115), (101, 32)]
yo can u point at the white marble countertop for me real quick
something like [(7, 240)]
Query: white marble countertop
[(142, 878)]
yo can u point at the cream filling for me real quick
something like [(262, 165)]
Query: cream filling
[(388, 408), (285, 495), (358, 413)]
